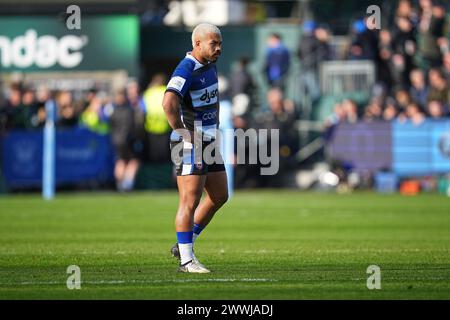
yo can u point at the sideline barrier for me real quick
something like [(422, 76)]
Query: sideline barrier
[(81, 156), (406, 149)]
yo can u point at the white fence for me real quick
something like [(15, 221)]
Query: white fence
[(344, 76)]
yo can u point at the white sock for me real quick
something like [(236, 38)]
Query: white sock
[(185, 252)]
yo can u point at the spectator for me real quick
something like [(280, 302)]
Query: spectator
[(404, 47), (373, 110), (419, 88), (156, 126), (281, 116), (406, 10), (431, 32), (314, 48), (121, 124), (403, 98), (67, 116), (336, 117), (242, 88), (19, 115), (36, 101), (364, 42), (385, 56), (43, 94), (390, 110), (137, 104), (245, 176), (241, 81), (356, 51), (351, 111), (343, 112), (277, 62), (30, 105), (414, 113), (133, 96), (93, 117), (439, 87), (435, 109), (307, 46), (90, 95)]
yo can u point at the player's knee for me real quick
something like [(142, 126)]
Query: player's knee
[(220, 200), (189, 204)]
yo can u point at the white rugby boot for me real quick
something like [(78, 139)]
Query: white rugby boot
[(175, 251), (193, 266)]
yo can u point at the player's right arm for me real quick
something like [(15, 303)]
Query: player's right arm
[(177, 88), (171, 105)]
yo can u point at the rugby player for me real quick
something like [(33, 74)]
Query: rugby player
[(191, 104)]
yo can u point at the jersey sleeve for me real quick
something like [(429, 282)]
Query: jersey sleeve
[(181, 79)]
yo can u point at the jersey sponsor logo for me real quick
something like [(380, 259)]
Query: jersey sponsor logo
[(176, 83), (205, 96), (209, 115)]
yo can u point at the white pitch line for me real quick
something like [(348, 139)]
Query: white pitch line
[(365, 250), (140, 281)]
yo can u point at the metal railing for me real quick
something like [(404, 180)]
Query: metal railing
[(338, 76)]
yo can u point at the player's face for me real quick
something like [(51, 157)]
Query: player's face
[(212, 47)]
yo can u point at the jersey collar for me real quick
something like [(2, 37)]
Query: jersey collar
[(198, 65)]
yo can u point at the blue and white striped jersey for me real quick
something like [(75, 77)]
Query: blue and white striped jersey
[(197, 86)]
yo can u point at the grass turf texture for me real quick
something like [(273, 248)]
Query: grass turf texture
[(262, 245)]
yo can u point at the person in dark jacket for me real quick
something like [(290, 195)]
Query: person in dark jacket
[(313, 49), (241, 81), (277, 62), (122, 130), (404, 49)]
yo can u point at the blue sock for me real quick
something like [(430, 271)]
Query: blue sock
[(184, 237), (197, 230), (185, 246)]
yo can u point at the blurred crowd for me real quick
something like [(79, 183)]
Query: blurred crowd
[(411, 53), (132, 117)]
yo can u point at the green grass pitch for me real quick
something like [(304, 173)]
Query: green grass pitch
[(261, 245)]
